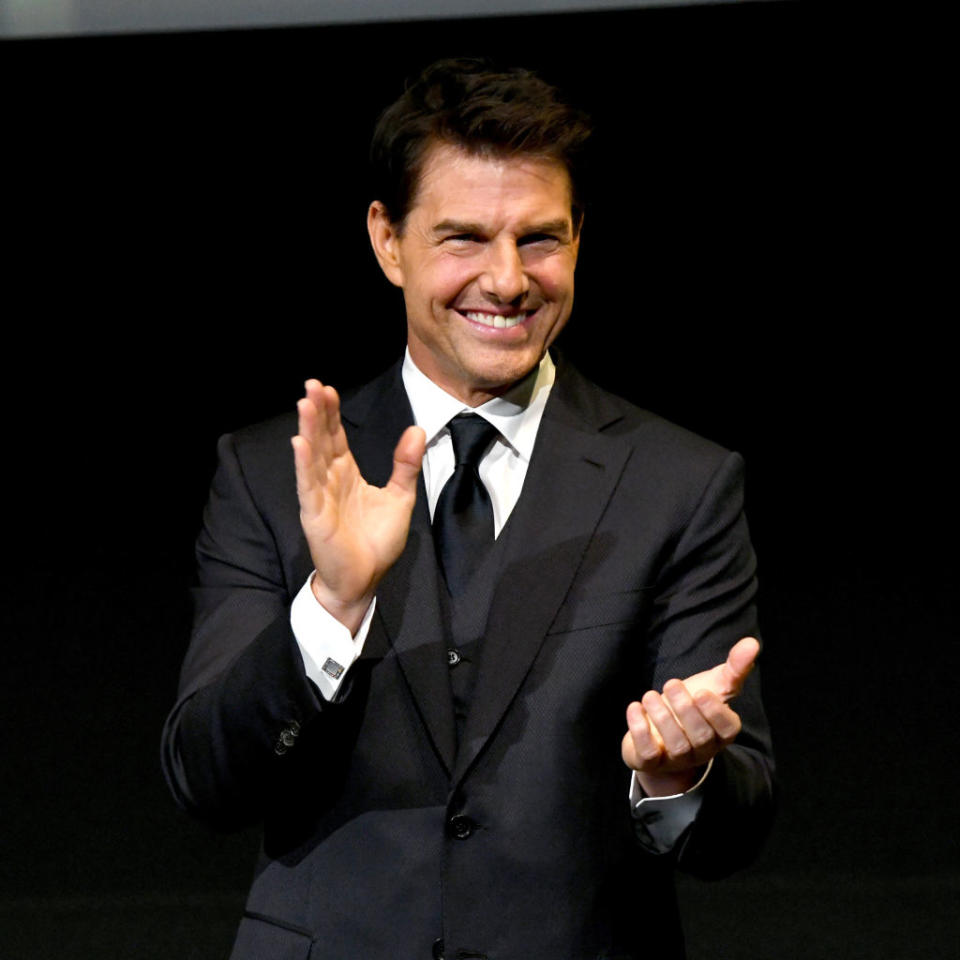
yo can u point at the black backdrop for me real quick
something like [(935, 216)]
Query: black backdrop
[(187, 222)]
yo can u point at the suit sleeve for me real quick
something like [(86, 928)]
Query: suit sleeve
[(705, 602), (244, 701)]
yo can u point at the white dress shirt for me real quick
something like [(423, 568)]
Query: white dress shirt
[(328, 649), (323, 640)]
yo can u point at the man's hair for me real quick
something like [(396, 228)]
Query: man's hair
[(488, 111)]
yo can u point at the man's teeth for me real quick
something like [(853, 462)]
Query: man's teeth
[(494, 320)]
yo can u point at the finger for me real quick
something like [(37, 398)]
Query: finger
[(314, 391), (317, 396), (317, 446), (309, 413), (331, 437), (637, 717), (309, 475), (697, 728), (642, 745), (310, 447), (723, 719), (307, 419), (675, 740), (407, 459), (335, 431)]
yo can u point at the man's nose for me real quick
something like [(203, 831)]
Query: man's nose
[(504, 278)]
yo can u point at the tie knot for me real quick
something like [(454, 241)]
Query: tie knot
[(471, 435)]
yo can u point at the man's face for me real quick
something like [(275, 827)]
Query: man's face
[(486, 262)]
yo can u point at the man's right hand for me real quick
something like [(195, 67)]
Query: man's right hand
[(355, 531)]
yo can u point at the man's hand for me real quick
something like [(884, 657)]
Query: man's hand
[(355, 531), (671, 736)]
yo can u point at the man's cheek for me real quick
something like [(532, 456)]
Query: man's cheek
[(556, 283)]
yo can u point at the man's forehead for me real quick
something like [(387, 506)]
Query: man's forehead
[(465, 183)]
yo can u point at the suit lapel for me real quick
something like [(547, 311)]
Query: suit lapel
[(573, 472), (407, 598)]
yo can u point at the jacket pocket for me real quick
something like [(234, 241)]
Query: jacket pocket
[(584, 610), (261, 938)]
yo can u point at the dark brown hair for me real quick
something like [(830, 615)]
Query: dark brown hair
[(485, 109)]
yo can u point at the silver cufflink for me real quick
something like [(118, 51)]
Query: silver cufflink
[(332, 669)]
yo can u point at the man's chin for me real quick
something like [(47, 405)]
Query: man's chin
[(496, 379)]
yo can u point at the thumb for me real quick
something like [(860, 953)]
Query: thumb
[(407, 458), (740, 661)]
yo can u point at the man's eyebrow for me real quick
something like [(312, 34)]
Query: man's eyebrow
[(458, 226), (559, 228)]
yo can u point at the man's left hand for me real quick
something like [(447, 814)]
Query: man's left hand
[(672, 736)]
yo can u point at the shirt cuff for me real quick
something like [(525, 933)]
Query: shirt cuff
[(661, 821), (326, 646)]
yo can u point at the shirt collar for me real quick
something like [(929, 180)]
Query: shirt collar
[(516, 414)]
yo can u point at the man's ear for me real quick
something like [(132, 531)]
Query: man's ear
[(385, 242)]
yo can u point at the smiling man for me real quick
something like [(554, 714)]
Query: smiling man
[(480, 658), (485, 259)]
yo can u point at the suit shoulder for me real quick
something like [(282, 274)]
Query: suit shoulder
[(659, 438), (264, 437), (644, 427), (263, 449), (261, 454)]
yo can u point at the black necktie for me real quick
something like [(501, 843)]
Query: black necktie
[(463, 519)]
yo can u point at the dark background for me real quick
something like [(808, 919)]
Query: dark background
[(187, 223)]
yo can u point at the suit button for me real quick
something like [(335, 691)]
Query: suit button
[(437, 951), (453, 657), (288, 737), (461, 827)]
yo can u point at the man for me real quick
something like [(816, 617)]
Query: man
[(413, 660)]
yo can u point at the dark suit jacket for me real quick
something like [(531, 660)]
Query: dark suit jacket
[(628, 562)]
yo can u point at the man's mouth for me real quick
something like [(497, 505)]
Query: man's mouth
[(497, 320)]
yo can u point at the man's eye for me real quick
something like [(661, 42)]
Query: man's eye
[(540, 239), (464, 238)]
